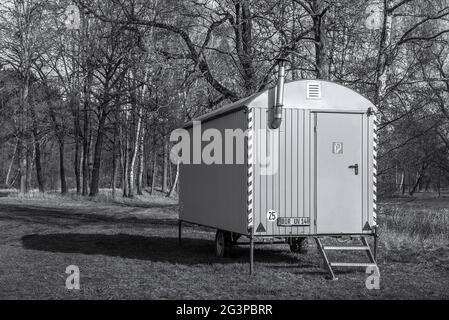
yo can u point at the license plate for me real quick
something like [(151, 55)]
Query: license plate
[(292, 222)]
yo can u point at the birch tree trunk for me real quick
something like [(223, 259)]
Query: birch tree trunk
[(29, 162), (402, 182), (85, 165), (8, 174), (140, 164), (154, 170), (134, 153), (124, 153), (383, 63), (121, 151), (23, 147), (138, 138), (77, 145), (175, 183), (86, 103), (165, 169), (62, 167), (114, 157)]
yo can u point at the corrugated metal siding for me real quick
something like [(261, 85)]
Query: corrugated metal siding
[(287, 191), (291, 191), (216, 195)]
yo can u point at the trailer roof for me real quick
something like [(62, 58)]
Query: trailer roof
[(334, 97)]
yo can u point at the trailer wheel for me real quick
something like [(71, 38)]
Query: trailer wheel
[(299, 245), (223, 243)]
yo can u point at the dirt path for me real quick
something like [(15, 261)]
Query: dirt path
[(132, 252)]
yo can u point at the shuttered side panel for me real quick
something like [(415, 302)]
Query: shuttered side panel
[(216, 195), (285, 192)]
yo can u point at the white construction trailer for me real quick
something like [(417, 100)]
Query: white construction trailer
[(322, 179)]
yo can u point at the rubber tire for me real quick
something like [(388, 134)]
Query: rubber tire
[(223, 244), (299, 245)]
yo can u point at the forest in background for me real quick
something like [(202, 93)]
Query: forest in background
[(93, 107)]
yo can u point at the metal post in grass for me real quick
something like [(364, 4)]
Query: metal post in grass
[(375, 243), (251, 252)]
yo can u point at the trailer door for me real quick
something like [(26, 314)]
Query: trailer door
[(338, 161)]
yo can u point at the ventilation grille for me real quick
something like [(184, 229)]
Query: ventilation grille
[(313, 90)]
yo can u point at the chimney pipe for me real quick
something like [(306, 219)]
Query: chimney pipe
[(277, 117)]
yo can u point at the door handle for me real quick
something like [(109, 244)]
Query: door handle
[(355, 167)]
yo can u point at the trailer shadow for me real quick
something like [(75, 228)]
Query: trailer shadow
[(156, 249), (72, 217)]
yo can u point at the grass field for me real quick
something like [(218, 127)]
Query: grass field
[(128, 249)]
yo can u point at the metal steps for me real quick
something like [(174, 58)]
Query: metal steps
[(351, 264), (365, 247), (345, 248)]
